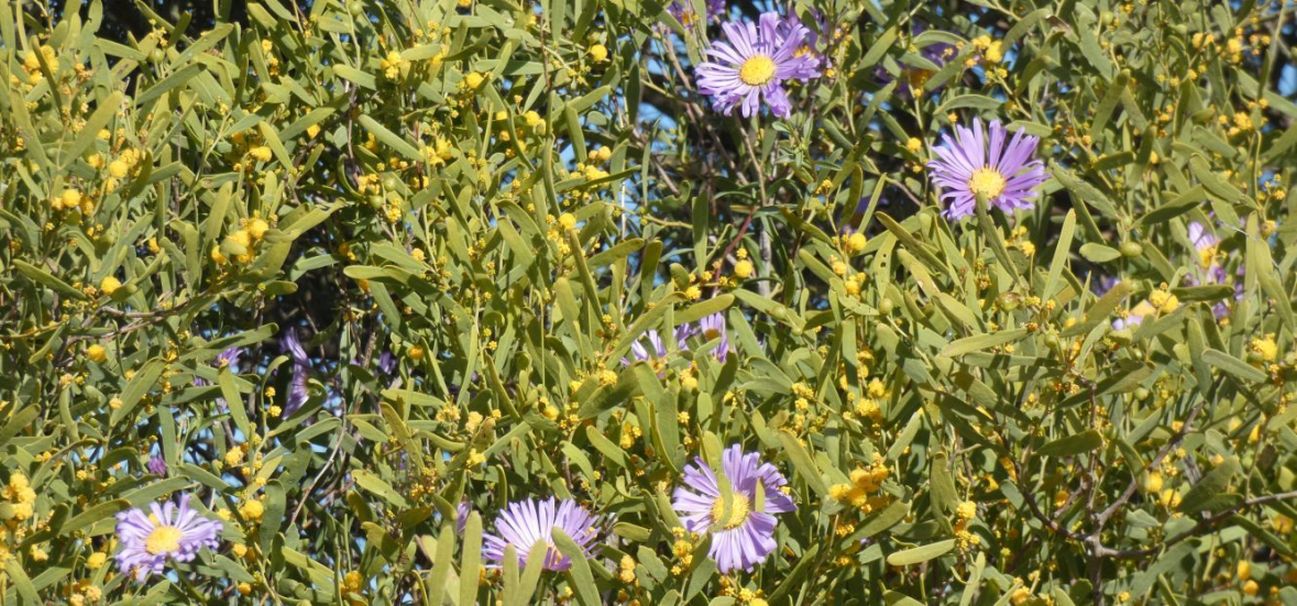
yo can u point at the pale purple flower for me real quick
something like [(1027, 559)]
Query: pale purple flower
[(168, 532), (157, 465), (743, 534), (752, 64), (1205, 243), (658, 351), (525, 523), (291, 344), (713, 327), (1135, 316), (1210, 270), (461, 516), (974, 164)]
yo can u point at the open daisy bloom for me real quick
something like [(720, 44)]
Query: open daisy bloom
[(525, 523), (741, 522), (167, 532), (753, 63), (973, 166)]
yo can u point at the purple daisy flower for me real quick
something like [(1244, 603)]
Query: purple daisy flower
[(974, 165), (168, 532), (790, 27), (753, 63), (742, 535), (525, 523), (713, 327)]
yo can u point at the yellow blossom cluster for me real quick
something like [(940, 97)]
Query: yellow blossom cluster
[(865, 481)]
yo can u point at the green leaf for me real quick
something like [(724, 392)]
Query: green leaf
[(1233, 366), (470, 559), (374, 484), (803, 462), (102, 511), (1099, 253), (21, 581), (137, 387), (47, 279), (1213, 484), (390, 139), (578, 575), (921, 554), (1072, 445), (982, 341)]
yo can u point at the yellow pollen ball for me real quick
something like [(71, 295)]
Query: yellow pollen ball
[(757, 70), (739, 508), (257, 228), (987, 182), (163, 539), (252, 510), (97, 353), (109, 285), (743, 269)]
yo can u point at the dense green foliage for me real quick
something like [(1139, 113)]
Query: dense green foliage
[(468, 214)]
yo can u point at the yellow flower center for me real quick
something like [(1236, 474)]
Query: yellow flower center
[(163, 539), (739, 508), (986, 182), (1207, 256), (757, 70), (711, 333)]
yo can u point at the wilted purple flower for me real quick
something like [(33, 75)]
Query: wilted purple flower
[(297, 390), (683, 11), (168, 532), (914, 78), (157, 465), (386, 363), (226, 359), (525, 523), (753, 63), (974, 165), (743, 534), (229, 359)]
